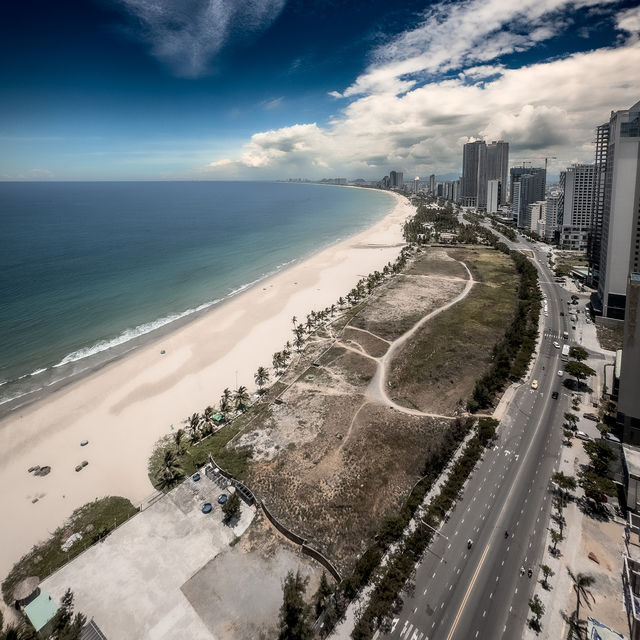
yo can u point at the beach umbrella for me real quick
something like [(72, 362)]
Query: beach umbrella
[(25, 588)]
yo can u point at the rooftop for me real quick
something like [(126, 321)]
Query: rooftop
[(41, 610), (632, 457)]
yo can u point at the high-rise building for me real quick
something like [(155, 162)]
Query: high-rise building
[(474, 174), (576, 184), (620, 240), (551, 217), (498, 166), (597, 204), (395, 180), (532, 181), (628, 396), (494, 195), (432, 183)]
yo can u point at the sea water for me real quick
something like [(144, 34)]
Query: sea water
[(88, 269)]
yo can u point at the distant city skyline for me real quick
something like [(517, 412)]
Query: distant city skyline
[(271, 89)]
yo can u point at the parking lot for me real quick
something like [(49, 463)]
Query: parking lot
[(131, 582)]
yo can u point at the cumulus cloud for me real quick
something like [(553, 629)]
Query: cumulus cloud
[(187, 34), (442, 83), (453, 36), (629, 20), (548, 108)]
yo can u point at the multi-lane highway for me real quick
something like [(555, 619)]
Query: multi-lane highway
[(462, 593)]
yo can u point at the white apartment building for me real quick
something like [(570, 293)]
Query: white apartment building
[(620, 246)]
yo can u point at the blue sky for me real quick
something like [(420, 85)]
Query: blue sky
[(263, 89)]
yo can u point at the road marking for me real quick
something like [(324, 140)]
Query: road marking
[(467, 594)]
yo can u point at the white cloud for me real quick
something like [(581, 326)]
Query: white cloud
[(546, 109), (629, 20), (452, 36), (187, 34)]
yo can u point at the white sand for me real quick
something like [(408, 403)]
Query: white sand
[(125, 407)]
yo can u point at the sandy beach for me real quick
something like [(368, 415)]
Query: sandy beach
[(123, 408)]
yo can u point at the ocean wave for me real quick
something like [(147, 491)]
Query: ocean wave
[(147, 327)]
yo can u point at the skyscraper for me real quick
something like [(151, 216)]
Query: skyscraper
[(474, 174), (532, 181), (395, 180), (620, 240), (597, 206), (498, 166), (577, 198), (432, 183)]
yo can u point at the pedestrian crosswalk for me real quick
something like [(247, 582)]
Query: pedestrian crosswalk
[(406, 631), (553, 335)]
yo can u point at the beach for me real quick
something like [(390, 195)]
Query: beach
[(123, 408)]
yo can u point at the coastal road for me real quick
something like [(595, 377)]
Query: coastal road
[(463, 593)]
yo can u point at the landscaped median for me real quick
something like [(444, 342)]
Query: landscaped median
[(389, 583)]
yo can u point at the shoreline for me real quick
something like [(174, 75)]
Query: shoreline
[(75, 369), (124, 405)]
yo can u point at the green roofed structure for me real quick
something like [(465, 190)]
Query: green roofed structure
[(41, 611)]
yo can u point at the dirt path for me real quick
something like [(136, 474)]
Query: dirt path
[(365, 331), (377, 390)]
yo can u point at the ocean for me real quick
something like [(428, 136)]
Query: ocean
[(90, 270)]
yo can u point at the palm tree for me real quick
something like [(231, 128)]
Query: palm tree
[(341, 302), (225, 403), (193, 425), (261, 377), (207, 416), (581, 584), (241, 398), (294, 320), (170, 472), (178, 440), (298, 342), (332, 310)]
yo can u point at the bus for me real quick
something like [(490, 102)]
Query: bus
[(565, 353)]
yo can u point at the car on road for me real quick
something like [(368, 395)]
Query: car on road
[(581, 435), (560, 372), (556, 344), (590, 416), (611, 438), (534, 384), (554, 395)]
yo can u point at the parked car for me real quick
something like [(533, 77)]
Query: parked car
[(590, 416), (556, 344), (581, 435), (222, 498), (554, 395), (560, 372), (534, 384), (611, 438)]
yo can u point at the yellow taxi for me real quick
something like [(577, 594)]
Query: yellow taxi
[(534, 384)]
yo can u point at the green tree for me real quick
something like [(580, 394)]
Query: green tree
[(178, 440), (295, 623), (600, 455), (207, 419), (225, 404), (321, 599), (595, 486), (579, 370), (170, 473), (537, 609), (193, 426), (547, 572), (65, 625), (572, 419), (261, 377), (581, 584), (556, 538), (231, 508), (241, 398), (565, 483), (578, 353), (568, 436)]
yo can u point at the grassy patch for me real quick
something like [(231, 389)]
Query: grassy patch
[(610, 339), (93, 521), (439, 366)]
